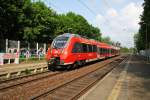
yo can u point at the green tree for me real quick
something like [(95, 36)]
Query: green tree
[(34, 21), (77, 24), (144, 31), (125, 50), (107, 40), (11, 13), (39, 21), (138, 41)]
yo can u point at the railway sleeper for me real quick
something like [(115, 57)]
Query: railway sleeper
[(79, 86), (76, 85), (68, 90), (71, 88), (65, 95), (59, 93), (8, 75), (56, 97)]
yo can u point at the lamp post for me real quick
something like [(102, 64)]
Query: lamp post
[(146, 47), (145, 35)]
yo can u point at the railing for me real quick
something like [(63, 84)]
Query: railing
[(8, 57), (145, 53), (23, 70)]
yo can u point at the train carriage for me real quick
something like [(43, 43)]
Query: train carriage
[(74, 50)]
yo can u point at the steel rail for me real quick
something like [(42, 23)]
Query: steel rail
[(49, 92)]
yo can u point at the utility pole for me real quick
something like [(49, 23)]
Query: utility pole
[(146, 44)]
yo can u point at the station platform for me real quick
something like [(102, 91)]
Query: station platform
[(9, 67), (128, 81)]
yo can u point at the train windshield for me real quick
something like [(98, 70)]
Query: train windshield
[(60, 42)]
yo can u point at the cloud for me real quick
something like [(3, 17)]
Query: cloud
[(120, 25), (112, 12), (117, 1), (99, 20)]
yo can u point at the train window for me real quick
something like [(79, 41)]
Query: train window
[(60, 42), (105, 50), (77, 48), (94, 48), (85, 47), (90, 47), (109, 51), (102, 50)]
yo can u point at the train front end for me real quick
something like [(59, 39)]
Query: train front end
[(58, 52)]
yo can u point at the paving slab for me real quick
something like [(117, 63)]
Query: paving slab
[(129, 81), (9, 67)]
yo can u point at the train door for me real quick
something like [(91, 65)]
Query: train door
[(76, 51)]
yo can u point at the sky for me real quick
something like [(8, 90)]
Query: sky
[(117, 19)]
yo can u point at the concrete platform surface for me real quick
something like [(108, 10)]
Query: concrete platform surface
[(128, 81), (9, 67)]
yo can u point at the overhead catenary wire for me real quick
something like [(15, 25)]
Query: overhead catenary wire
[(90, 10), (94, 13), (107, 4), (52, 4)]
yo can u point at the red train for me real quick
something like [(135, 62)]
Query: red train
[(73, 50)]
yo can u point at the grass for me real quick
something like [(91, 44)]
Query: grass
[(31, 60), (27, 71)]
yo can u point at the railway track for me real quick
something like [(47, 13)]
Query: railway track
[(74, 89), (36, 87), (12, 83)]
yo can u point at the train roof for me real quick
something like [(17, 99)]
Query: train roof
[(86, 40), (70, 35)]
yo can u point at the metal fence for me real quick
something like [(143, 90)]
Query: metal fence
[(145, 53), (27, 50)]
